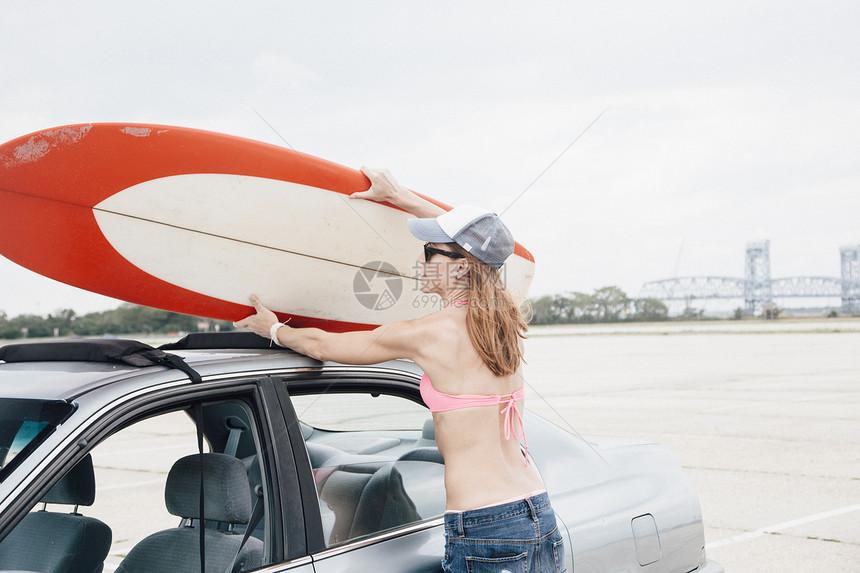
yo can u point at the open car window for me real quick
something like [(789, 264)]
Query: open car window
[(375, 462), (132, 503), (336, 412)]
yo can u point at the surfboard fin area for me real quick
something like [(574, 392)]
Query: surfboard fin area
[(193, 222)]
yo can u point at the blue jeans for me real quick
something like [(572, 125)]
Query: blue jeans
[(518, 537)]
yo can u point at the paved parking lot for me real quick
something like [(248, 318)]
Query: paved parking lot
[(767, 426)]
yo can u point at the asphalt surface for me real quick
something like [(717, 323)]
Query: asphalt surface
[(765, 421)]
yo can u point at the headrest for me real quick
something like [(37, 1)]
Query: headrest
[(425, 454), (225, 488), (77, 487)]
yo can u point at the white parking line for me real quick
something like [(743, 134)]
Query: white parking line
[(781, 526), (841, 396)]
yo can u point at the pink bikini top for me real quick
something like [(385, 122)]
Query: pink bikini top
[(441, 402)]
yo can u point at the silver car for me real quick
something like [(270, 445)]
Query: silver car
[(112, 453)]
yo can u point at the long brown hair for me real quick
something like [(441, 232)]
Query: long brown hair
[(495, 322)]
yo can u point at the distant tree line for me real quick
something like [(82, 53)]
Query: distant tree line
[(127, 319), (607, 304)]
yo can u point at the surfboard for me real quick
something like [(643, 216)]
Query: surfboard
[(194, 222)]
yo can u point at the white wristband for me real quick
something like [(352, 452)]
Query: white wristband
[(273, 333)]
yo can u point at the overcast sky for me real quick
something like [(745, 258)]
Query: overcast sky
[(724, 122)]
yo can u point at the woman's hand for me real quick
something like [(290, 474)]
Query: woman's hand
[(384, 188), (261, 322)]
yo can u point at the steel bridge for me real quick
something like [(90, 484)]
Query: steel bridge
[(758, 290)]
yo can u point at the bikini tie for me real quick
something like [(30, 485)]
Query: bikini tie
[(510, 428)]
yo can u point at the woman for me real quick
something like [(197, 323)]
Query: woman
[(471, 350)]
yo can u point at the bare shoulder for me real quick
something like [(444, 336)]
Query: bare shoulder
[(415, 332), (442, 325), (432, 334)]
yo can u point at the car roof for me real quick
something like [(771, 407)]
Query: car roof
[(65, 369)]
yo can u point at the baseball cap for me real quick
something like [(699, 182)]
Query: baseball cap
[(477, 230)]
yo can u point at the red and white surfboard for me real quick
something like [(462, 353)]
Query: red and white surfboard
[(194, 222)]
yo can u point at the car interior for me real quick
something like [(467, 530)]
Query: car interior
[(372, 481), (54, 541), (226, 501), (368, 481), (59, 541)]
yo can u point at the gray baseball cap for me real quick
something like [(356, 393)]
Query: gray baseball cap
[(477, 230)]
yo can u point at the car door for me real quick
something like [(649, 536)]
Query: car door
[(136, 441), (372, 476)]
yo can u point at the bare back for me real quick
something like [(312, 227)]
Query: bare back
[(481, 466)]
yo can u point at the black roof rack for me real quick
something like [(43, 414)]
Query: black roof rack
[(84, 350), (241, 339), (117, 350), (114, 351)]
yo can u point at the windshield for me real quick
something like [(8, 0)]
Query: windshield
[(24, 424)]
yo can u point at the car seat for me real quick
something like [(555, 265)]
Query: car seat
[(52, 542), (226, 499), (366, 498)]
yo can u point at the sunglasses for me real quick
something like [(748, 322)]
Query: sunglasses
[(430, 251)]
